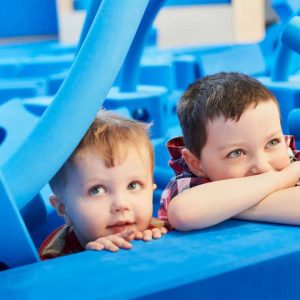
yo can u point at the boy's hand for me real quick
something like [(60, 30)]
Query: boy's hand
[(291, 174), (156, 229), (112, 242)]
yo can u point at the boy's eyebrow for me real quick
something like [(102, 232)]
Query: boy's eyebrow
[(237, 145), (97, 180), (234, 145)]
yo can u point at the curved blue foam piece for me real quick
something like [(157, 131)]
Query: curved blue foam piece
[(129, 76), (291, 34), (284, 60), (130, 70), (66, 120), (89, 18)]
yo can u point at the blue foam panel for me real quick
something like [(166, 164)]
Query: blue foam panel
[(28, 18), (234, 260), (247, 59)]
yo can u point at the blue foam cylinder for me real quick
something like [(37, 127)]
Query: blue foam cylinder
[(291, 34), (89, 18), (129, 77)]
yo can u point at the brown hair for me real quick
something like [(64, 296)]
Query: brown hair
[(222, 94), (106, 136)]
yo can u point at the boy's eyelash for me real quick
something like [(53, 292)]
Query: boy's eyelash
[(93, 189), (230, 154)]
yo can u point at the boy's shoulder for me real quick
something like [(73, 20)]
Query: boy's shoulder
[(176, 162), (61, 241)]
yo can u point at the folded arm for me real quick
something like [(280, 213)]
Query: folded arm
[(280, 207), (209, 204)]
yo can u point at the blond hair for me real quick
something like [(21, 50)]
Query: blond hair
[(107, 135)]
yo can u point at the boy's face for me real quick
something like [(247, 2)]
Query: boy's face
[(253, 145), (101, 201)]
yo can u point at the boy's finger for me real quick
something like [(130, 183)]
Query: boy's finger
[(127, 234), (156, 233), (110, 246), (138, 235), (94, 246), (163, 230), (120, 242), (147, 235)]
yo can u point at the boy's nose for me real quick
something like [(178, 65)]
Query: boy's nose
[(119, 203), (260, 164)]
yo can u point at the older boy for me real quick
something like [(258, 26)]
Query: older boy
[(104, 190), (233, 160)]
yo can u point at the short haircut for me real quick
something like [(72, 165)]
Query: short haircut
[(107, 135), (222, 94)]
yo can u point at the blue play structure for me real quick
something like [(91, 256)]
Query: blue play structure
[(49, 95)]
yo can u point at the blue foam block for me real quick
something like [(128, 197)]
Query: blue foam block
[(147, 103), (234, 260), (288, 95)]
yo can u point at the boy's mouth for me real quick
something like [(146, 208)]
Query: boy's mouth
[(120, 226)]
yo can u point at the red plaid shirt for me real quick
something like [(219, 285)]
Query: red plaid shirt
[(61, 241), (185, 179)]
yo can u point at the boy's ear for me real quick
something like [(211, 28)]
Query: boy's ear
[(56, 202), (193, 162)]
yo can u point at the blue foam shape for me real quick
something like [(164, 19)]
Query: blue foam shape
[(129, 75), (158, 72), (290, 35), (147, 104), (54, 82), (17, 123), (22, 87), (285, 63), (92, 8), (41, 66), (19, 248), (34, 49), (45, 66), (37, 105), (28, 18), (247, 59), (79, 98), (287, 94), (283, 9), (234, 260), (186, 71)]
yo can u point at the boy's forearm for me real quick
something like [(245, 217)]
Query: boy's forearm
[(208, 204), (279, 207)]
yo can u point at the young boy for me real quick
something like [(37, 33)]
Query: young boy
[(233, 159), (104, 190)]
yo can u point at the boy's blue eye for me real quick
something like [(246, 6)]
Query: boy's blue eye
[(235, 153), (97, 190), (274, 142), (133, 186)]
